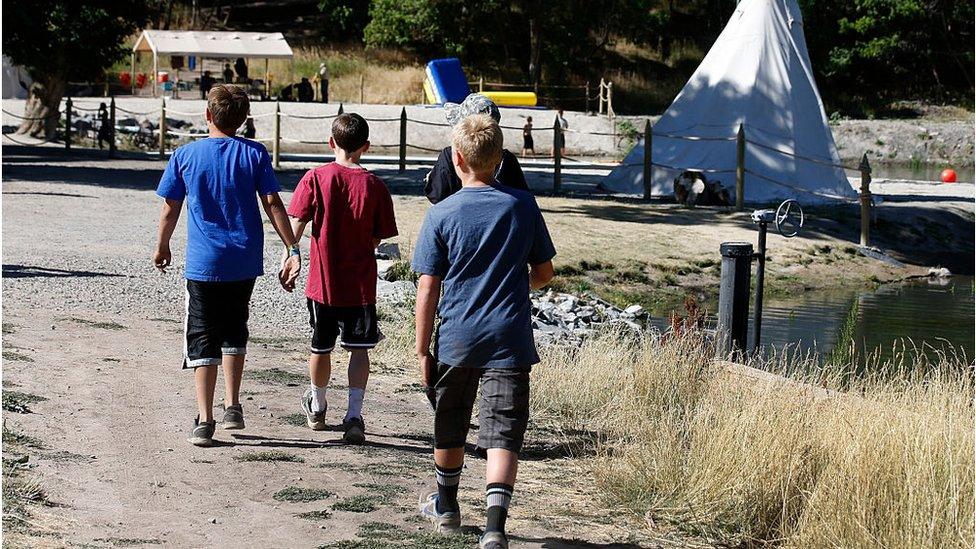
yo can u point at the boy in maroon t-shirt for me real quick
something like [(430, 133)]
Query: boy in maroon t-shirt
[(351, 211)]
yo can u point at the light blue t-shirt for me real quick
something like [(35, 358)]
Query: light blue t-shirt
[(220, 179), (480, 241)]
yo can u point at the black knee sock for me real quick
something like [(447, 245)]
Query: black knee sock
[(498, 496), (447, 488)]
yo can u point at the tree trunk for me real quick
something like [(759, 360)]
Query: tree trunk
[(535, 52), (41, 109)]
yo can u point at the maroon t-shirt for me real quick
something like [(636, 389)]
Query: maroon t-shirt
[(348, 208)]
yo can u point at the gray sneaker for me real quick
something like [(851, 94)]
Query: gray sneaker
[(316, 420), (448, 522), (493, 540), (355, 430), (202, 433), (233, 417)]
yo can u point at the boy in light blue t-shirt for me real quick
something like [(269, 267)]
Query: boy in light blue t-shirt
[(220, 179)]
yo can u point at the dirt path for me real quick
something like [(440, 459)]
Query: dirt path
[(90, 327)]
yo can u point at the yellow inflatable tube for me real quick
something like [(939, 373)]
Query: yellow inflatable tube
[(511, 99)]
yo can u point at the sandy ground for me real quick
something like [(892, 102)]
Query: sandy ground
[(97, 331)]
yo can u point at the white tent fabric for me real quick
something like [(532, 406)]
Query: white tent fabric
[(214, 44), (15, 79), (756, 74)]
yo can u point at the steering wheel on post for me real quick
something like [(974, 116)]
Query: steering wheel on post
[(789, 218)]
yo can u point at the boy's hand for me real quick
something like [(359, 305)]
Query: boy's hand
[(428, 369), (162, 258), (291, 266)]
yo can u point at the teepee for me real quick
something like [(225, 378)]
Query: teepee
[(756, 74)]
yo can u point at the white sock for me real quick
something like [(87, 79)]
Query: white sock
[(318, 398), (355, 402)]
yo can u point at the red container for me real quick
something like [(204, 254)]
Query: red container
[(125, 79), (162, 76), (141, 80)]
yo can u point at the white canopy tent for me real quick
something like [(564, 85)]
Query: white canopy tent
[(211, 44), (756, 74)]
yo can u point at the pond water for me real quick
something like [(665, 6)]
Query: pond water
[(918, 172)]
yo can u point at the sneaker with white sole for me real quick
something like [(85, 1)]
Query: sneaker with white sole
[(202, 433), (447, 522), (493, 540), (315, 420), (233, 417), (354, 430)]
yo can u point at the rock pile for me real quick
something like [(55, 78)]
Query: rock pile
[(558, 317)]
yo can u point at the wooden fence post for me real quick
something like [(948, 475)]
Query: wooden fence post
[(740, 167), (403, 140), (362, 92), (600, 93), (111, 121), (67, 124), (610, 112), (276, 146), (162, 129), (865, 168), (557, 153), (648, 160), (341, 110), (481, 84)]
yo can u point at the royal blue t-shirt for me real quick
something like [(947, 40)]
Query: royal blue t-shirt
[(220, 179), (480, 241)]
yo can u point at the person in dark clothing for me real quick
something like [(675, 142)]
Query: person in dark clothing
[(206, 83), (228, 74), (240, 67), (104, 126), (249, 130), (324, 82), (305, 91), (441, 182)]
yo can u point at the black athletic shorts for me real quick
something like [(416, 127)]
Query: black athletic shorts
[(216, 321), (528, 143), (358, 326), (503, 412)]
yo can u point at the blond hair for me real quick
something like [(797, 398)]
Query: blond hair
[(479, 141)]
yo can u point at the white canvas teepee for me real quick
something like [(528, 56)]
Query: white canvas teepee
[(758, 74)]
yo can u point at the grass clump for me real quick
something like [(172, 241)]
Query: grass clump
[(94, 323), (276, 375), (882, 461), (382, 535), (297, 420), (25, 522), (296, 494), (271, 455), (16, 356), (321, 514), (401, 270), (17, 402), (375, 496)]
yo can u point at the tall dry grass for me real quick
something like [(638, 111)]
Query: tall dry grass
[(734, 460)]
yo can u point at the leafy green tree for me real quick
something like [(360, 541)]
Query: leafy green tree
[(61, 40)]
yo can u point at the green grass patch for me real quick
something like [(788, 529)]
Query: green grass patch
[(321, 514), (295, 494), (16, 356), (376, 495), (94, 323), (129, 542), (12, 437), (23, 494), (271, 455), (276, 375), (400, 270), (17, 402), (297, 420), (161, 319), (8, 328), (382, 535)]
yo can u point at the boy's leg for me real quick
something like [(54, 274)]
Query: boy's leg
[(205, 379), (319, 374), (325, 329), (235, 302), (504, 415), (233, 366), (360, 333), (358, 376)]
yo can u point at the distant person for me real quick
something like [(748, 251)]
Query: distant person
[(220, 178), (249, 130), (485, 247), (527, 143), (228, 74), (323, 83), (351, 211), (105, 129), (206, 84), (559, 140), (442, 181), (306, 94), (240, 67), (287, 93)]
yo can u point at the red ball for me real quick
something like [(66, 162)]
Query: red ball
[(948, 175)]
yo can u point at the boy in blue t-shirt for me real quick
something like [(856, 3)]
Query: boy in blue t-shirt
[(220, 179), (487, 245)]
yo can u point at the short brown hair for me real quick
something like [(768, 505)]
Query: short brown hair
[(350, 131), (479, 140), (228, 106)]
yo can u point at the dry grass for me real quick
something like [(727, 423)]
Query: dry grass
[(730, 460)]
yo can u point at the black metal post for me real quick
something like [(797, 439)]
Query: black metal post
[(111, 122), (733, 299), (67, 124), (403, 140), (760, 275)]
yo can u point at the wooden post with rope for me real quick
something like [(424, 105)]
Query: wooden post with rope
[(67, 124), (648, 160), (362, 91), (865, 195), (276, 146), (740, 168), (403, 139), (111, 122), (162, 129), (557, 153), (600, 94)]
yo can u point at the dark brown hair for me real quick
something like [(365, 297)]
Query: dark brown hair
[(350, 131), (228, 106)]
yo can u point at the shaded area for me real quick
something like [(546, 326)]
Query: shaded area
[(29, 271)]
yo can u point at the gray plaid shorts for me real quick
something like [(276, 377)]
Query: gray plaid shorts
[(503, 411)]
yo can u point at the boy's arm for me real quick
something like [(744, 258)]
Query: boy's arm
[(291, 265), (541, 274), (168, 217), (428, 294)]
